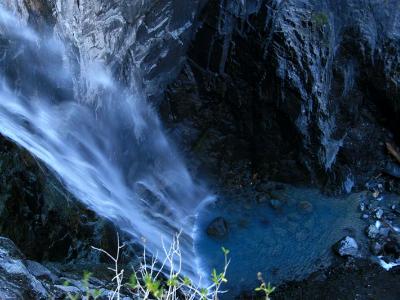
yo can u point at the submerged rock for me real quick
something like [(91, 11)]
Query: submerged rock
[(347, 247), (276, 204), (305, 207), (218, 228)]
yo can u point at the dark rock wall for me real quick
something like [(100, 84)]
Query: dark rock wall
[(300, 91), (41, 217)]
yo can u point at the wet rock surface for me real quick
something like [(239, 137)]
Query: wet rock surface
[(25, 279), (382, 222), (347, 247), (42, 218), (357, 280), (290, 90), (296, 91), (145, 39)]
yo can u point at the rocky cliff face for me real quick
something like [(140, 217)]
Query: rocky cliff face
[(143, 43), (291, 90), (295, 90)]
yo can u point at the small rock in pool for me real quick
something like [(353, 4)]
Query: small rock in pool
[(379, 213), (347, 247), (372, 231), (376, 248), (384, 231), (218, 228), (305, 206), (276, 204), (262, 199)]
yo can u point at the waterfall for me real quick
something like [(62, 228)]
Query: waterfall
[(110, 152)]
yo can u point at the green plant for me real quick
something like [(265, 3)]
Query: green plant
[(320, 19), (69, 295), (265, 288), (148, 279), (90, 293)]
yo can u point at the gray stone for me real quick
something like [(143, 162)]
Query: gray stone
[(19, 281), (7, 247), (379, 213), (68, 289), (347, 247), (40, 271), (384, 231), (372, 231)]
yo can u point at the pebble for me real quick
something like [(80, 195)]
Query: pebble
[(379, 213), (372, 231)]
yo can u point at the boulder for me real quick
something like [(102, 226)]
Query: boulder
[(19, 283), (39, 271), (218, 228), (347, 247)]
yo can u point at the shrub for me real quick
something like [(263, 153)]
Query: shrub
[(163, 280)]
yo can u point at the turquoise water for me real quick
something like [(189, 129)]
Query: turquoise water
[(283, 244)]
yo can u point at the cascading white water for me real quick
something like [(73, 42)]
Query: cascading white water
[(111, 154)]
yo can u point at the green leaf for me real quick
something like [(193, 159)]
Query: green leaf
[(203, 293), (96, 294), (187, 281), (133, 281), (173, 281), (225, 250)]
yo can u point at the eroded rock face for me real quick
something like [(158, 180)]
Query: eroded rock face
[(293, 90), (296, 91), (41, 217), (16, 282), (143, 43), (25, 279)]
